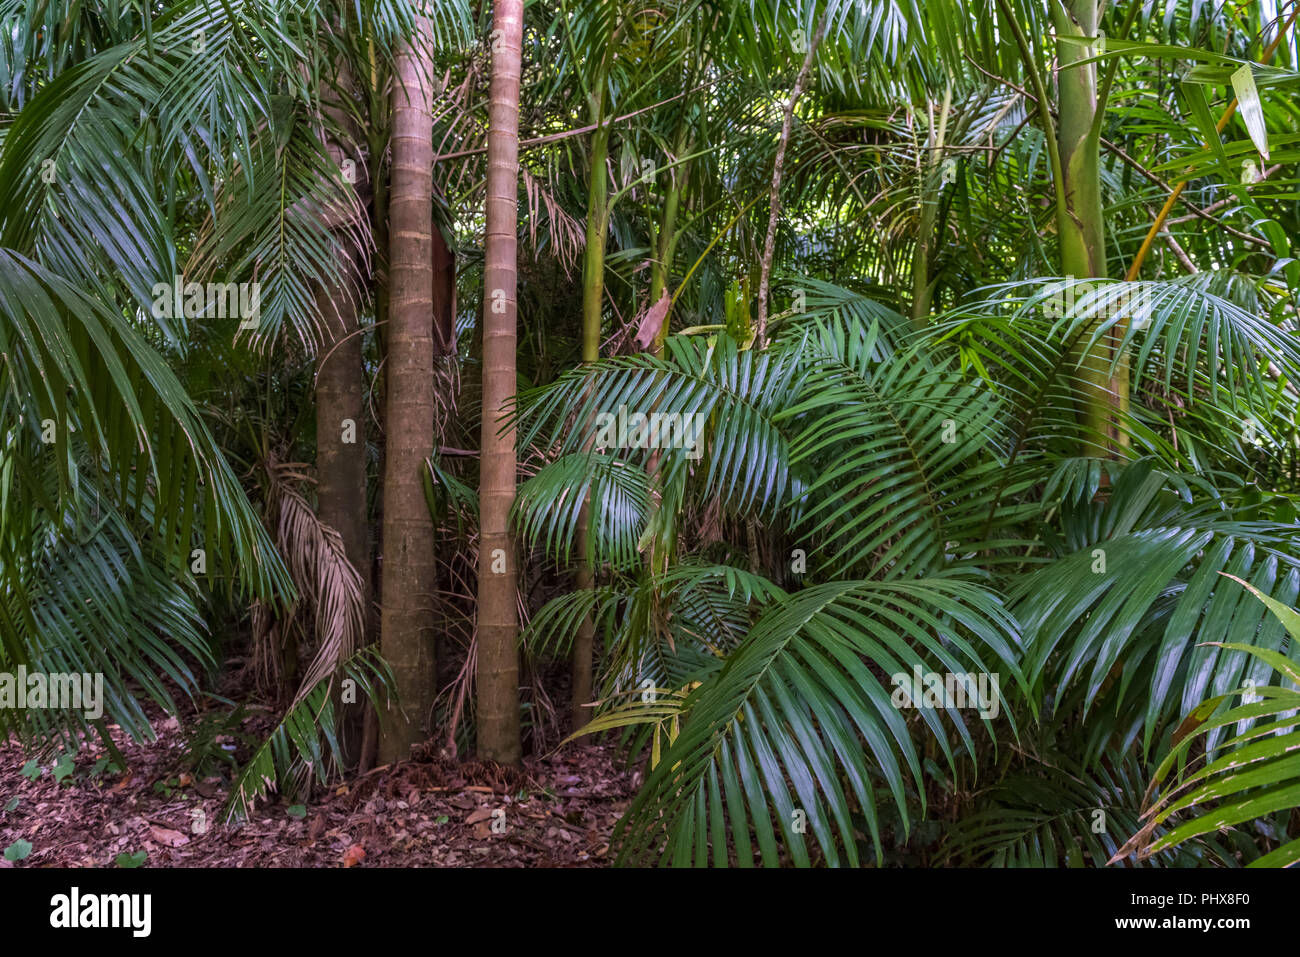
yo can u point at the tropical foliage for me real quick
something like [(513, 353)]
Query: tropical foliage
[(831, 343)]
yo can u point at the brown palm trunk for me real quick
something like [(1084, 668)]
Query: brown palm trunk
[(444, 296), (341, 462), (408, 572), (340, 428), (498, 623)]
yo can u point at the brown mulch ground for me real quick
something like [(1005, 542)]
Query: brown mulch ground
[(558, 812)]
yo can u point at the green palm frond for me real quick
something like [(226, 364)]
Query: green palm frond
[(800, 719), (901, 454), (76, 368), (548, 507), (1055, 813), (730, 395), (1253, 774), (90, 599), (1135, 589), (1179, 333), (304, 745)]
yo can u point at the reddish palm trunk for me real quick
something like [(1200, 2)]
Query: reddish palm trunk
[(408, 566), (444, 296), (498, 623)]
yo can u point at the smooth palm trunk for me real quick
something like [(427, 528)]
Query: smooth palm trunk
[(666, 241), (498, 624), (340, 437), (1103, 393), (593, 293), (340, 427), (408, 566), (340, 382)]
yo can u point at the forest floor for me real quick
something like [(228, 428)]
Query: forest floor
[(558, 812)]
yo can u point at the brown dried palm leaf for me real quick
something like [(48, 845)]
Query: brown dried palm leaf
[(320, 569)]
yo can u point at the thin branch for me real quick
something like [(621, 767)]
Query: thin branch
[(579, 131), (1196, 211), (1219, 127), (1040, 89), (778, 168)]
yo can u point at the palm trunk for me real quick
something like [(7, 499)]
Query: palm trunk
[(930, 197), (1075, 155), (341, 444), (498, 625), (341, 498), (340, 427), (593, 267), (593, 294), (921, 264), (408, 566), (1103, 397), (666, 245)]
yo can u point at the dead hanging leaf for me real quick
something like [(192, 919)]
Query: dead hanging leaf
[(651, 321), (354, 855), (1139, 843)]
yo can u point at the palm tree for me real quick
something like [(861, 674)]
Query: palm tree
[(211, 68), (837, 436), (408, 578), (498, 622), (942, 455), (340, 371)]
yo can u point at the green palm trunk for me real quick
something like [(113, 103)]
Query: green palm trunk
[(1103, 392), (593, 292)]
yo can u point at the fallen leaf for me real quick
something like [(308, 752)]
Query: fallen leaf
[(354, 855), (167, 836)]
